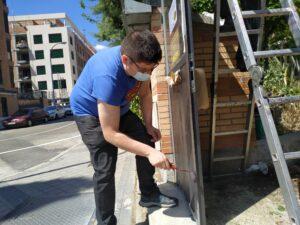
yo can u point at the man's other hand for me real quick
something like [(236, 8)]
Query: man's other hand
[(154, 132)]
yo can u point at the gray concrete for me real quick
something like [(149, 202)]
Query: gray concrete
[(174, 216), (52, 184)]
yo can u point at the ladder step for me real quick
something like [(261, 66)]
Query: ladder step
[(228, 71), (229, 104), (233, 33), (292, 155), (284, 100), (228, 158), (231, 133), (279, 52), (266, 12)]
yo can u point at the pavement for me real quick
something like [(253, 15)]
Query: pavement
[(46, 178), (56, 188)]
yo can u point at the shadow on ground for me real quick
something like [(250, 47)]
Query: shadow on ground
[(55, 198)]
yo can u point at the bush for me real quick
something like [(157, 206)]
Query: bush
[(135, 107)]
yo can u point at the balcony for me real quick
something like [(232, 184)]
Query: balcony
[(25, 77), (22, 45), (30, 95)]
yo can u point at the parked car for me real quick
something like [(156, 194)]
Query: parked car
[(68, 110), (26, 117), (55, 112)]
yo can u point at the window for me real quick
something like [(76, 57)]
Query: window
[(54, 38), (71, 40), (59, 84), (11, 76), (72, 55), (39, 54), (6, 27), (4, 107), (60, 68), (38, 39), (42, 85), (40, 70), (57, 53), (1, 78), (74, 70)]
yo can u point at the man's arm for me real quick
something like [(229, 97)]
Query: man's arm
[(146, 107), (109, 119)]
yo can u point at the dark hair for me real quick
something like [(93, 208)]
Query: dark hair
[(142, 46)]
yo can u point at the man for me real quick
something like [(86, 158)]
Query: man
[(100, 103)]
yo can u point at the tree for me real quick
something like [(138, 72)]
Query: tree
[(107, 15)]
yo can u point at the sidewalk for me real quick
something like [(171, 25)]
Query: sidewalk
[(60, 191)]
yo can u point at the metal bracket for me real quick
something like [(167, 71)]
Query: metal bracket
[(256, 74)]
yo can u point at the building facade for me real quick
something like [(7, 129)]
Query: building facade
[(8, 95), (49, 54)]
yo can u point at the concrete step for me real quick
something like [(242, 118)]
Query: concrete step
[(173, 216)]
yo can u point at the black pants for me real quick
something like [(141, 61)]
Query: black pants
[(104, 158)]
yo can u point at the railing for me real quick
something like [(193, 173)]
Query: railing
[(32, 95), (58, 94), (22, 45)]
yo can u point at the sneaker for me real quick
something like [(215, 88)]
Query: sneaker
[(158, 199)]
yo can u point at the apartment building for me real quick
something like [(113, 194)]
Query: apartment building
[(49, 53), (8, 94)]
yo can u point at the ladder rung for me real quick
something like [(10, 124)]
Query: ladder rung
[(233, 33), (266, 12), (229, 104), (228, 158), (292, 155), (231, 133), (228, 71), (279, 52), (284, 100)]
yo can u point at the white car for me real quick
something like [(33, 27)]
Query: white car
[(55, 112)]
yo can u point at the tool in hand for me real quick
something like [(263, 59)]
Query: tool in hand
[(192, 173)]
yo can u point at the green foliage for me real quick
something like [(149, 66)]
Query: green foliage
[(107, 14), (278, 80), (135, 107), (277, 33), (202, 5)]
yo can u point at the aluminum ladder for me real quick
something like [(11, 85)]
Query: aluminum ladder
[(262, 101)]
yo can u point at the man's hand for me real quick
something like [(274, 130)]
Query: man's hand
[(154, 132), (158, 159)]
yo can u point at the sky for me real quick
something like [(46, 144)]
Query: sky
[(70, 7)]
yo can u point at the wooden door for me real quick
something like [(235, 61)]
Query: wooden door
[(180, 61)]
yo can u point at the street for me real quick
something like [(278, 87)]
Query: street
[(23, 148), (46, 176)]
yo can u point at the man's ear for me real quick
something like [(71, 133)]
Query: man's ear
[(124, 59)]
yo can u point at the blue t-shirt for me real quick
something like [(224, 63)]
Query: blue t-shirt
[(103, 78)]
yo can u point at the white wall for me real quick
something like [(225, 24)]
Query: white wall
[(45, 30)]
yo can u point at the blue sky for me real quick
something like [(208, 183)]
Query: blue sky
[(70, 7)]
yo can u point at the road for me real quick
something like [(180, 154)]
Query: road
[(46, 177), (23, 148)]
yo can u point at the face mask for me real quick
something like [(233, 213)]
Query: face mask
[(141, 76)]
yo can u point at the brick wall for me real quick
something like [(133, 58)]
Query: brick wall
[(159, 86), (232, 87), (6, 86)]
